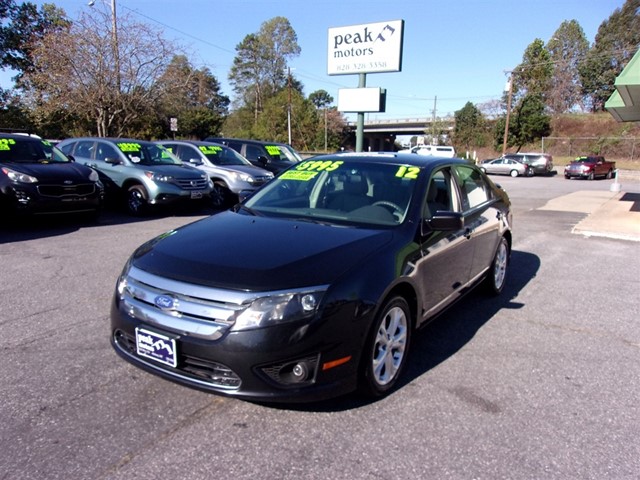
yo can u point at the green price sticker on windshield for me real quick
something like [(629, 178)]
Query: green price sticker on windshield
[(319, 165), (129, 147), (5, 143), (273, 150), (210, 149)]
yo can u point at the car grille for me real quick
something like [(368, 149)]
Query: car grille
[(189, 367), (257, 181), (192, 183), (58, 191)]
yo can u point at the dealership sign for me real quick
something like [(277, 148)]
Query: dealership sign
[(369, 48)]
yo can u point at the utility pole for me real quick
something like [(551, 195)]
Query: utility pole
[(506, 123), (289, 105)]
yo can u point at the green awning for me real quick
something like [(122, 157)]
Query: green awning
[(624, 103)]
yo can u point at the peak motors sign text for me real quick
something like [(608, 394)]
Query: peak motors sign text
[(370, 48)]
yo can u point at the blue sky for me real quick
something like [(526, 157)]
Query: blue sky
[(455, 51)]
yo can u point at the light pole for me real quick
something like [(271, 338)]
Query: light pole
[(114, 40)]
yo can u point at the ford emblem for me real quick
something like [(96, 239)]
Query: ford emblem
[(166, 302)]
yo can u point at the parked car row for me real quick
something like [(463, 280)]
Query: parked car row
[(519, 164), (80, 174)]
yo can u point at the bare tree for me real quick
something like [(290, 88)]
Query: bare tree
[(97, 76)]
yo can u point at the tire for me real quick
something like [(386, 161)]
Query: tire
[(609, 174), (220, 196), (497, 275), (514, 173), (387, 348), (592, 176), (568, 177), (137, 200)]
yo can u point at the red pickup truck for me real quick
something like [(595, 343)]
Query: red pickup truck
[(590, 167)]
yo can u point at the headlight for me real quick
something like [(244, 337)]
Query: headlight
[(279, 308), (93, 176), (18, 176), (158, 177), (243, 177)]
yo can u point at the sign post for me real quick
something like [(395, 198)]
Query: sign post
[(362, 49)]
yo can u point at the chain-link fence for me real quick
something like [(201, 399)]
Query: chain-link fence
[(614, 148)]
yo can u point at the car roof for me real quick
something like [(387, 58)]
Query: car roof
[(22, 137), (109, 139), (395, 158), (246, 140), (192, 142)]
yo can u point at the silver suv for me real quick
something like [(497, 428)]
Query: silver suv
[(233, 176), (145, 173), (539, 163)]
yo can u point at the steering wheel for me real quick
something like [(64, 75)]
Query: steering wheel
[(395, 209)]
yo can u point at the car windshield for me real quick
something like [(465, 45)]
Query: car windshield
[(220, 155), (16, 150), (148, 153), (283, 152), (339, 191)]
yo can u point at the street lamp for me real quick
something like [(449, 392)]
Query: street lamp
[(114, 39)]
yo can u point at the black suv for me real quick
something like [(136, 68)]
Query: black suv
[(272, 156), (37, 178)]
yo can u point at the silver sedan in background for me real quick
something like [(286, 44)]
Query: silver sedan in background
[(505, 166)]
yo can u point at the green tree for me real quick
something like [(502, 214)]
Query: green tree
[(533, 75), (193, 96), (260, 67), (21, 27), (469, 127), (528, 123), (567, 47), (617, 40)]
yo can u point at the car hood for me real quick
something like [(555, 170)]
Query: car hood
[(237, 251), (248, 169), (52, 172), (180, 171)]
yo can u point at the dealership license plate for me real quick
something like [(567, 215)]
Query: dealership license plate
[(156, 347), (196, 195)]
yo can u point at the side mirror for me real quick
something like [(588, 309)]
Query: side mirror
[(113, 161), (443, 221), (263, 160), (195, 161)]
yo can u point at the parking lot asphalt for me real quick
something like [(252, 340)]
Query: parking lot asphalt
[(611, 214)]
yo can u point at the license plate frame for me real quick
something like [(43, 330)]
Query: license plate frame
[(196, 195), (156, 346)]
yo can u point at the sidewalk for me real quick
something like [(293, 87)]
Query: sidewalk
[(609, 214)]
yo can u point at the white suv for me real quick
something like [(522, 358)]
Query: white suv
[(432, 150)]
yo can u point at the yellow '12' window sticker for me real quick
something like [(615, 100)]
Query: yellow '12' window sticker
[(405, 171)]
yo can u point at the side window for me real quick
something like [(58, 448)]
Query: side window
[(104, 151), (253, 152), (68, 148), (473, 189), (439, 196), (84, 149)]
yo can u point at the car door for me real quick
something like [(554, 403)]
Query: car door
[(482, 218), (444, 266)]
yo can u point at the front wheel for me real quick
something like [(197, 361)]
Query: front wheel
[(387, 348), (498, 272), (136, 200), (220, 196), (514, 173)]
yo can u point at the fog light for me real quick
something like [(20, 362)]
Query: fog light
[(300, 372)]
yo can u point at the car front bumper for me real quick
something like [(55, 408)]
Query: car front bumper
[(253, 364)]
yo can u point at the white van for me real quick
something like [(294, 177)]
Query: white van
[(432, 150)]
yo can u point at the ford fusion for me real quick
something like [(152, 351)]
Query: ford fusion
[(313, 287)]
